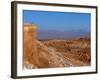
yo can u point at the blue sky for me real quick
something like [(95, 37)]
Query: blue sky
[(62, 21)]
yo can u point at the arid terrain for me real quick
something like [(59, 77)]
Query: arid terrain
[(54, 53)]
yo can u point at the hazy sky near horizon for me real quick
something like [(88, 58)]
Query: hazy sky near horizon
[(62, 21)]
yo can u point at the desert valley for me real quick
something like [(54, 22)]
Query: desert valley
[(54, 53)]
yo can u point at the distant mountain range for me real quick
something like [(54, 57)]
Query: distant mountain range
[(54, 34)]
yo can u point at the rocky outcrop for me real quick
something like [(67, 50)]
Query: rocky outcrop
[(30, 49)]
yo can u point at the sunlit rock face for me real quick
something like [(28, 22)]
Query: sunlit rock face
[(29, 43)]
